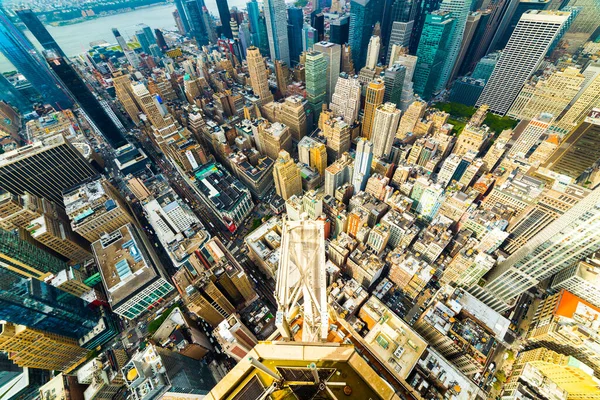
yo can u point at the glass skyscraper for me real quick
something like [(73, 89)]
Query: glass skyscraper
[(21, 53), (277, 30), (225, 16), (10, 94), (35, 304), (86, 99), (432, 52), (364, 14), (295, 23), (38, 30), (197, 28)]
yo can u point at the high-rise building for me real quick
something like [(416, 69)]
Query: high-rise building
[(33, 348), (423, 8), (587, 99), (394, 79), (56, 234), (459, 10), (44, 168), (401, 12), (24, 57), (521, 57), (584, 25), (471, 28), (571, 237), (132, 274), (124, 92), (39, 31), (578, 151), (130, 55), (142, 39), (197, 28), (363, 16), (258, 75), (338, 173), (182, 16), (432, 52), (385, 124), (293, 115), (373, 52), (413, 114), (277, 30), (316, 81), (345, 100), (295, 24), (286, 174), (333, 55), (235, 338), (313, 153), (373, 98), (339, 30), (530, 133), (98, 117), (551, 95), (225, 17), (549, 206), (309, 37), (95, 208), (581, 279), (362, 164), (400, 37)]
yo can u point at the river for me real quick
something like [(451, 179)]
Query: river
[(75, 39)]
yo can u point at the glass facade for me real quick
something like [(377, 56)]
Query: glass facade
[(23, 56), (295, 23), (40, 32), (37, 305), (364, 14), (197, 28)]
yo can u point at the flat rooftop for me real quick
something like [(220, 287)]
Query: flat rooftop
[(122, 263), (221, 188)]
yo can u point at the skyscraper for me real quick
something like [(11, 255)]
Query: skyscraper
[(98, 117), (526, 48), (422, 9), (333, 54), (570, 238), (295, 23), (459, 10), (286, 174), (39, 31), (225, 17), (23, 56), (530, 132), (432, 52), (10, 94), (587, 98), (401, 11), (258, 75), (585, 24), (373, 98), (141, 38), (197, 28), (44, 169), (131, 56), (276, 18), (373, 52), (345, 101), (182, 16), (316, 81), (363, 16), (362, 164), (385, 124), (394, 80)]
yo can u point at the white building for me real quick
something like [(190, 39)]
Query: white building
[(385, 124)]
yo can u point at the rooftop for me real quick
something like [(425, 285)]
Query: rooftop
[(221, 188)]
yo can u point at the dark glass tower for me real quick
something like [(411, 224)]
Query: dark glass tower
[(364, 14), (160, 39), (225, 17), (39, 31), (295, 22), (423, 8), (86, 100), (182, 15), (197, 28), (396, 11), (21, 53), (10, 94), (33, 303)]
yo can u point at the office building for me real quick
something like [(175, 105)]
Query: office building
[(433, 49), (277, 30), (548, 207), (316, 81), (293, 115), (258, 75), (295, 24), (373, 98), (56, 234), (34, 348), (587, 100), (362, 164), (24, 57), (132, 275), (373, 52), (332, 53), (339, 30), (44, 168), (39, 31), (130, 55), (197, 28), (95, 208), (363, 16), (98, 117), (157, 373), (472, 27), (571, 237), (345, 101), (338, 173), (309, 37), (565, 323), (124, 92), (182, 16), (549, 96), (521, 57), (286, 174), (385, 125), (225, 17), (581, 279), (529, 133), (235, 338), (313, 153), (226, 196), (466, 90), (394, 79), (459, 9), (578, 151)]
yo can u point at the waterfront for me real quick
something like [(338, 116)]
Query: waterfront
[(75, 39)]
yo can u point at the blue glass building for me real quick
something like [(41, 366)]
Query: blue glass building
[(364, 14), (295, 22), (196, 22), (23, 56), (182, 15), (39, 31)]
